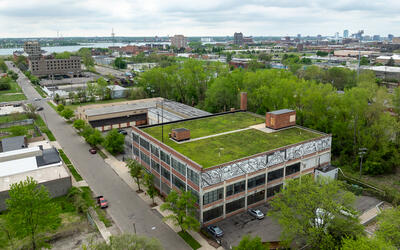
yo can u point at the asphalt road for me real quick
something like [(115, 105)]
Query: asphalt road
[(126, 208)]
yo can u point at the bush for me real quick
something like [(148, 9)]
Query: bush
[(60, 108), (5, 86)]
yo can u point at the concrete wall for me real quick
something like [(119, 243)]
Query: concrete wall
[(57, 188)]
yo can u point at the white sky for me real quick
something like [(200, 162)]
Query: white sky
[(43, 18)]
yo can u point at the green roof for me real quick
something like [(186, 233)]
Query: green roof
[(215, 150)]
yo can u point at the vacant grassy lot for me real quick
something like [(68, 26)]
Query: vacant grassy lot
[(209, 126), (13, 94), (74, 106), (217, 150), (13, 117)]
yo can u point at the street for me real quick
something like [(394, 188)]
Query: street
[(126, 208)]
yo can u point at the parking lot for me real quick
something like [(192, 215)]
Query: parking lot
[(237, 226)]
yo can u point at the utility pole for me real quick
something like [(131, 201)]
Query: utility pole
[(361, 153)]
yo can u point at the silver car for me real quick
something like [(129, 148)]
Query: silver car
[(256, 213)]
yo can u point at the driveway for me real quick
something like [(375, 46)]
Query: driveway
[(126, 208)]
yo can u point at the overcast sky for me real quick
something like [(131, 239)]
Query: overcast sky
[(43, 18)]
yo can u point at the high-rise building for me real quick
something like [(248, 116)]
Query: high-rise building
[(238, 38), (390, 37), (346, 34), (376, 38), (337, 35), (179, 41)]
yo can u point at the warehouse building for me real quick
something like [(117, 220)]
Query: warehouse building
[(135, 113), (230, 161)]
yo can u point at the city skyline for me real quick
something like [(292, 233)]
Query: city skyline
[(71, 18)]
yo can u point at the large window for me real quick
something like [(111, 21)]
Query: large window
[(256, 181), (156, 181), (253, 198), (235, 188), (135, 137), (178, 183), (213, 213), (213, 196), (234, 205), (194, 193), (155, 166), (165, 173), (276, 174), (293, 169), (135, 150), (165, 188), (273, 190), (155, 151), (165, 157), (144, 143), (193, 176), (178, 166), (145, 158)]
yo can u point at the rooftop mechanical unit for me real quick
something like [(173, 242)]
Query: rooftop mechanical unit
[(280, 119), (180, 134)]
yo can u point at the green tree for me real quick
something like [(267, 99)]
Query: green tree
[(79, 124), (389, 226), (309, 212), (182, 206), (136, 171), (87, 131), (67, 113), (86, 55), (31, 110), (31, 213), (149, 184), (390, 62), (95, 138), (3, 66), (365, 243), (56, 98), (120, 63), (60, 107), (249, 243), (265, 57), (114, 142), (128, 242), (18, 130), (322, 53), (364, 61)]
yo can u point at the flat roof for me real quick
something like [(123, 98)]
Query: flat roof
[(281, 111), (12, 143), (118, 108), (224, 138)]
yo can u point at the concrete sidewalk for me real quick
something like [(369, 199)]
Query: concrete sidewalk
[(122, 171)]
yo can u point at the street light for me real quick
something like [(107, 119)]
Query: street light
[(361, 153)]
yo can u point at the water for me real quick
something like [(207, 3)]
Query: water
[(58, 49)]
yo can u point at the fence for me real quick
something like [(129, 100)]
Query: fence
[(17, 123)]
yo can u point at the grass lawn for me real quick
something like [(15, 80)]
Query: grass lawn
[(13, 94), (71, 167), (42, 126), (209, 126), (40, 91), (29, 131), (75, 106), (238, 145), (190, 240), (14, 117)]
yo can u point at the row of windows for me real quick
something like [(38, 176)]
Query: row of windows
[(155, 151), (135, 150), (212, 196), (273, 190), (193, 176), (178, 166), (164, 157), (194, 193), (235, 188), (144, 143), (135, 137), (292, 169), (145, 158), (155, 166), (253, 198), (234, 205), (165, 173), (276, 174), (256, 181), (178, 183)]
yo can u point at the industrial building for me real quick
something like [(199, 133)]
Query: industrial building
[(230, 161), (18, 160), (134, 113), (40, 65)]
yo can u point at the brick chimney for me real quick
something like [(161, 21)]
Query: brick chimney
[(243, 100)]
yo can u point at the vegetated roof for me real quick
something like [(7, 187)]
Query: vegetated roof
[(213, 146), (281, 111), (12, 143)]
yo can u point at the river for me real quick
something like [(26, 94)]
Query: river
[(58, 49)]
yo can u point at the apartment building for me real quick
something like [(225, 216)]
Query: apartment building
[(179, 41), (229, 161)]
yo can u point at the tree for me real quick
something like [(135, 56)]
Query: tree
[(114, 142), (249, 243), (389, 226), (31, 110), (149, 184), (56, 98), (264, 57), (31, 211), (60, 107), (136, 171), (95, 138), (309, 212), (128, 242), (18, 130), (79, 124), (183, 210), (87, 58), (390, 62), (120, 63), (364, 61), (67, 113), (322, 53), (365, 243)]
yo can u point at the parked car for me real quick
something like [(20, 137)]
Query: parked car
[(121, 131), (103, 203), (37, 99), (215, 231), (256, 213), (39, 109), (93, 151)]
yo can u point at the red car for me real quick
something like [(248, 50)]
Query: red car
[(103, 203)]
